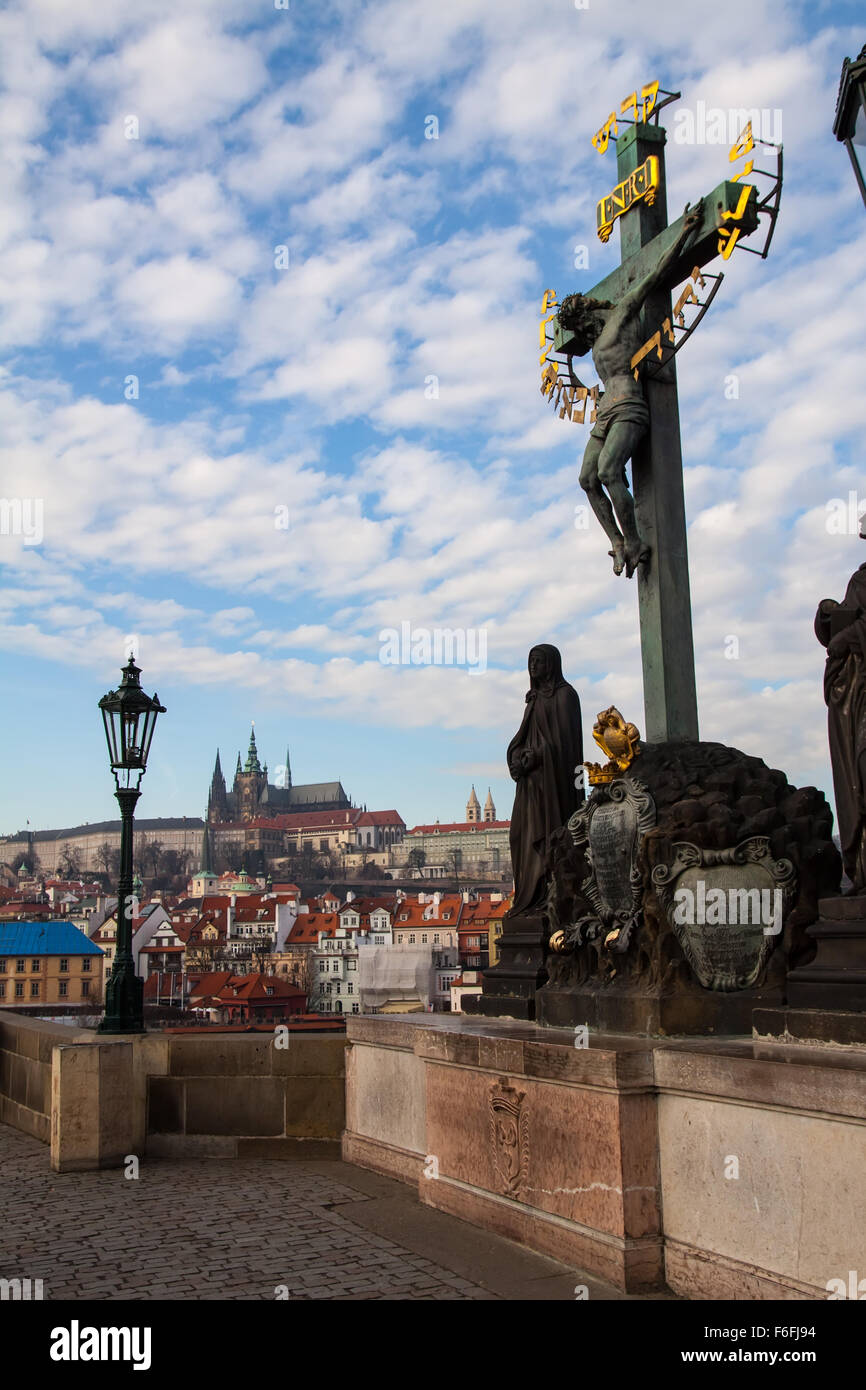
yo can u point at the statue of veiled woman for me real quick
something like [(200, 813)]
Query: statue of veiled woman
[(841, 628), (544, 758)]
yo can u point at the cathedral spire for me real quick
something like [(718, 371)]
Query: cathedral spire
[(252, 763), (288, 781), (216, 799), (489, 807), (205, 867)]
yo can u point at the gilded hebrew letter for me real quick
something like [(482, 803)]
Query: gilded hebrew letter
[(649, 94), (744, 143)]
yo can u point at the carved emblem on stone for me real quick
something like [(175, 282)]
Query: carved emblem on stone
[(609, 828), (509, 1135), (727, 908)]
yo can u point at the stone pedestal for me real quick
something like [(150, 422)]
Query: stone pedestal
[(836, 978), (511, 984)]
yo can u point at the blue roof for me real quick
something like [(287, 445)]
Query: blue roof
[(45, 939)]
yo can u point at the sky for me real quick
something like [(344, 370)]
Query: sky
[(270, 287)]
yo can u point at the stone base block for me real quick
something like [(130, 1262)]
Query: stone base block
[(635, 1266), (836, 978), (175, 1146), (22, 1117), (701, 1274), (686, 1013), (811, 1026), (500, 1006), (509, 987), (383, 1158)]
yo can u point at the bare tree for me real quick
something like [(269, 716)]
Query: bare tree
[(304, 975), (263, 953), (151, 855), (105, 857), (455, 857), (69, 862)]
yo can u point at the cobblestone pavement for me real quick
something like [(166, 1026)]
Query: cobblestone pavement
[(250, 1229)]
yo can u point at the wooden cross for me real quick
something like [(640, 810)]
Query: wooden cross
[(667, 648)]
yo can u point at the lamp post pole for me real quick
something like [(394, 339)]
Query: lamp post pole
[(129, 717), (124, 993)]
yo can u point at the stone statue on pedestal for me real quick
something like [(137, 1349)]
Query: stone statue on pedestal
[(841, 628), (545, 759)]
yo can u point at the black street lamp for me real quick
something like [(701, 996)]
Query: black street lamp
[(130, 719), (850, 123)]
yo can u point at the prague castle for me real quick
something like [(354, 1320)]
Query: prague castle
[(253, 797)]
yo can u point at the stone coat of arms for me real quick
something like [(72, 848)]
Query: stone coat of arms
[(509, 1137)]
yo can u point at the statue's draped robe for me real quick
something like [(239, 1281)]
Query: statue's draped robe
[(546, 797), (845, 693)]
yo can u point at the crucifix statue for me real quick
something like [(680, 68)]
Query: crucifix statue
[(640, 420), (614, 333)]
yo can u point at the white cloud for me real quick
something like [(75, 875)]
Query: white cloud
[(304, 389)]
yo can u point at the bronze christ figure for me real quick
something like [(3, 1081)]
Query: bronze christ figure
[(613, 333)]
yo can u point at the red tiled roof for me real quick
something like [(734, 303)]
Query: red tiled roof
[(256, 987), (380, 818), (210, 983), (26, 910), (365, 906), (309, 924), (414, 913)]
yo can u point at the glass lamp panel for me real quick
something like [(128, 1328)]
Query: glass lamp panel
[(857, 141), (110, 735)]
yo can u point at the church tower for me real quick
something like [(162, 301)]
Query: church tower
[(217, 803), (250, 782), (203, 879), (473, 808), (489, 808)]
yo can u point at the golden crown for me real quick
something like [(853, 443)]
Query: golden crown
[(619, 740)]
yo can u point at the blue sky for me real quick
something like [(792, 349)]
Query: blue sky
[(306, 388)]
